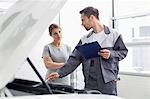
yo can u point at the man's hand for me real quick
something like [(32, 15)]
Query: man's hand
[(53, 76), (105, 53)]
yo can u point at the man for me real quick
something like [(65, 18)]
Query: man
[(100, 73)]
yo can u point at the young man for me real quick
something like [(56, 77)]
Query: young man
[(100, 73)]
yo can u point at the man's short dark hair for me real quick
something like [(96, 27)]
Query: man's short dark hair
[(88, 11)]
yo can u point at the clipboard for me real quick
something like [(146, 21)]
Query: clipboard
[(89, 50)]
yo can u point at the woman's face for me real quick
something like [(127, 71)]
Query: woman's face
[(56, 34)]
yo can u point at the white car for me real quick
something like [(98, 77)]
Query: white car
[(20, 29)]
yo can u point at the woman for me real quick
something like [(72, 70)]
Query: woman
[(56, 53)]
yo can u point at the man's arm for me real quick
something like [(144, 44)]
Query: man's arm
[(72, 63), (119, 51)]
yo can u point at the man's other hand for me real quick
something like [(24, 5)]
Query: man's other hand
[(105, 53)]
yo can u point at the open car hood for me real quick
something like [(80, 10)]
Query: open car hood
[(20, 28)]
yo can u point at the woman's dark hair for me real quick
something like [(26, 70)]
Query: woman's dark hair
[(88, 11), (51, 27)]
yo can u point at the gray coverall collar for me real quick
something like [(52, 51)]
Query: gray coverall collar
[(106, 30)]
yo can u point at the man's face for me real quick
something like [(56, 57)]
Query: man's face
[(86, 22)]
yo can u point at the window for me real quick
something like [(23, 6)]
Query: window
[(132, 20), (144, 31)]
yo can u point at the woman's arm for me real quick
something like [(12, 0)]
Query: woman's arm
[(50, 64)]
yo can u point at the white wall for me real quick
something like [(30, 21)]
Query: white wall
[(134, 85)]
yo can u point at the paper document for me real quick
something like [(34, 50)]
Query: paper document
[(89, 50)]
